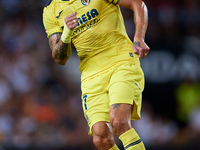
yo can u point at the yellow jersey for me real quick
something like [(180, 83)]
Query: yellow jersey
[(100, 38)]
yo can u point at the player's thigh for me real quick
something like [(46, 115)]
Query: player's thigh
[(95, 100), (126, 86), (96, 109), (120, 117)]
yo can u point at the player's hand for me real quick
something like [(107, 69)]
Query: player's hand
[(71, 21), (140, 48)]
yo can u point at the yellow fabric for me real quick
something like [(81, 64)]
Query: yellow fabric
[(100, 39), (128, 136), (131, 140), (121, 84), (114, 147), (113, 1)]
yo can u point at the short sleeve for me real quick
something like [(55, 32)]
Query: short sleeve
[(50, 23)]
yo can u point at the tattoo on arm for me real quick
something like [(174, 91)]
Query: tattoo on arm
[(60, 50), (53, 40), (137, 44), (116, 105)]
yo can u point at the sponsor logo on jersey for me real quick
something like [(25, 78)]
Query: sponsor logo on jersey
[(85, 2), (86, 21), (87, 17)]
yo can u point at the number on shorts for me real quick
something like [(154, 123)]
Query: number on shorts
[(85, 100)]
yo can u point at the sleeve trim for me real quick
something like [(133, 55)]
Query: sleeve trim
[(55, 33)]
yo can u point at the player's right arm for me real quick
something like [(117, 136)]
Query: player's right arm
[(60, 44), (60, 51), (59, 40)]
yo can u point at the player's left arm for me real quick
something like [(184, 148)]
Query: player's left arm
[(141, 22)]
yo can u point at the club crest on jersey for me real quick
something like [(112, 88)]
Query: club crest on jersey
[(85, 2)]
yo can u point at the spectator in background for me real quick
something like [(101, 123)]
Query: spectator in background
[(188, 98)]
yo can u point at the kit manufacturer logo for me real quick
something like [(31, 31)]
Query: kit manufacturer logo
[(85, 2)]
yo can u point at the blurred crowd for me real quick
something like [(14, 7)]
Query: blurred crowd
[(40, 101)]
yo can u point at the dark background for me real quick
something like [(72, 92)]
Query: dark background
[(40, 104)]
